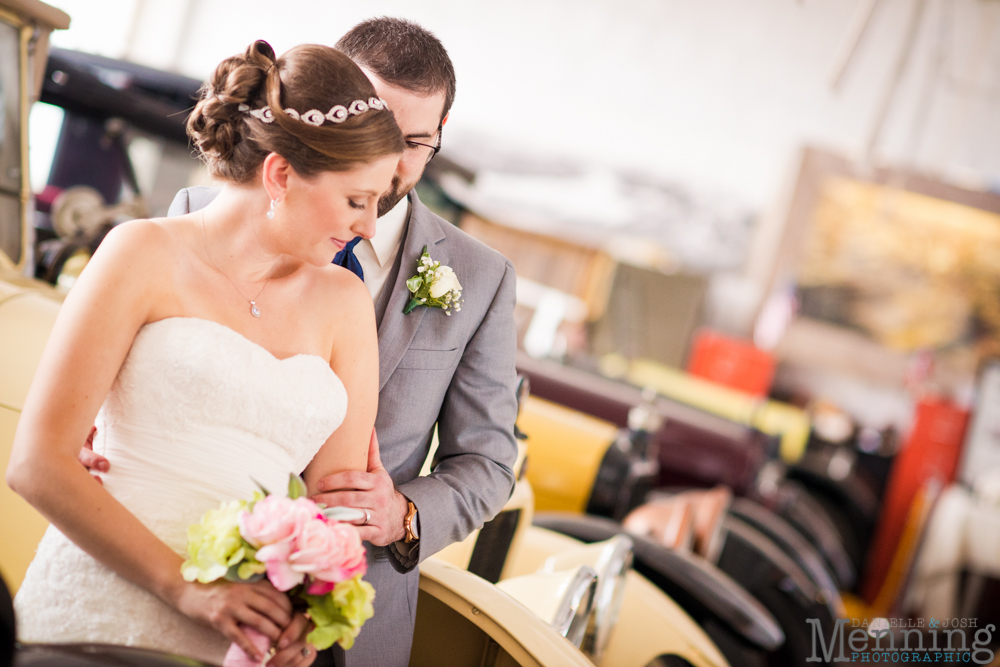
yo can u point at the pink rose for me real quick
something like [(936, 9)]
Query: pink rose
[(328, 551), (275, 519), (282, 576), (273, 526)]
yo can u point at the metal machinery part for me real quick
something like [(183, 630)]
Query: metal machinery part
[(80, 213), (105, 101)]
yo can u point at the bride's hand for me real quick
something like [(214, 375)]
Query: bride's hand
[(225, 606), (293, 649)]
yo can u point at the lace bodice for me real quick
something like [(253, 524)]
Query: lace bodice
[(198, 415)]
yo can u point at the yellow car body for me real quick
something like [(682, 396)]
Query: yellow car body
[(26, 318)]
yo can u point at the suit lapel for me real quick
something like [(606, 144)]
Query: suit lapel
[(396, 330)]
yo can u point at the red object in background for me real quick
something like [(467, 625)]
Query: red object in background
[(47, 197), (932, 451), (731, 362)]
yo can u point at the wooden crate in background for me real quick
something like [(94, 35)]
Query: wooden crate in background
[(586, 273)]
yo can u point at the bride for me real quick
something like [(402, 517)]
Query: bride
[(224, 337)]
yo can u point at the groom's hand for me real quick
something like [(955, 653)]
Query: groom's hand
[(372, 490), (92, 461)]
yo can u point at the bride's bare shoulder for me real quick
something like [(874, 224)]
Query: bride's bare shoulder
[(139, 232), (342, 291), (147, 239), (140, 248)]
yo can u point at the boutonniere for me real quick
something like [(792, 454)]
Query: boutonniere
[(434, 286)]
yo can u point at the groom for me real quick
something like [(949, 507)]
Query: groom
[(455, 373)]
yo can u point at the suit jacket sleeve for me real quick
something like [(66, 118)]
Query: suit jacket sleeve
[(473, 477)]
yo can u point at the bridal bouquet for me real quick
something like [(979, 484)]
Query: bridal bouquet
[(319, 562)]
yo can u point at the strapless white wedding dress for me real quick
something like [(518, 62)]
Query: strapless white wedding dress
[(197, 415)]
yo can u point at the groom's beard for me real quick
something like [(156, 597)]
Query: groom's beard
[(393, 196)]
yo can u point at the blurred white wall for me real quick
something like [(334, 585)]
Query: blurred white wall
[(715, 94)]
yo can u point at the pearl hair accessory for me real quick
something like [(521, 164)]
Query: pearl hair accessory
[(315, 117)]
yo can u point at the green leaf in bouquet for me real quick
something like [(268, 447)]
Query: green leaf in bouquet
[(414, 284), (260, 486), (296, 487)]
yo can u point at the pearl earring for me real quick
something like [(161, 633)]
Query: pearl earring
[(270, 214)]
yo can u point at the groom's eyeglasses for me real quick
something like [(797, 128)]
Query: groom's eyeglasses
[(434, 149)]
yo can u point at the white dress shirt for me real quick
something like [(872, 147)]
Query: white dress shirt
[(377, 254)]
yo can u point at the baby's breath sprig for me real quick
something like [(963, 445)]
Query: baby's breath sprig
[(434, 286)]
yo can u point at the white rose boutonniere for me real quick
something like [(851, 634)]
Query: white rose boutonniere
[(434, 286)]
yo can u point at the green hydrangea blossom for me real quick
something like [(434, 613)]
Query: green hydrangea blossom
[(339, 615), (215, 547)]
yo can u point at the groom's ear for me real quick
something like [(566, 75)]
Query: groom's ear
[(274, 175), (445, 119)]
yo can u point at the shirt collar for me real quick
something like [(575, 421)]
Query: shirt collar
[(389, 230)]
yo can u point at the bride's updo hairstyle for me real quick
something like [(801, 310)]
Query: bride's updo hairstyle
[(234, 142)]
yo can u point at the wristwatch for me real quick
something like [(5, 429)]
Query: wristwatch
[(410, 523)]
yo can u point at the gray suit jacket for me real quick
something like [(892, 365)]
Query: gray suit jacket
[(456, 373)]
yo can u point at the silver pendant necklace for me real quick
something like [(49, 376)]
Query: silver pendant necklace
[(254, 310)]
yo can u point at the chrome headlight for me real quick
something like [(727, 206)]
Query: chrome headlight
[(565, 599), (611, 559)]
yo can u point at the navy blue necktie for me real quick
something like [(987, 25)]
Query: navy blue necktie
[(347, 259)]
